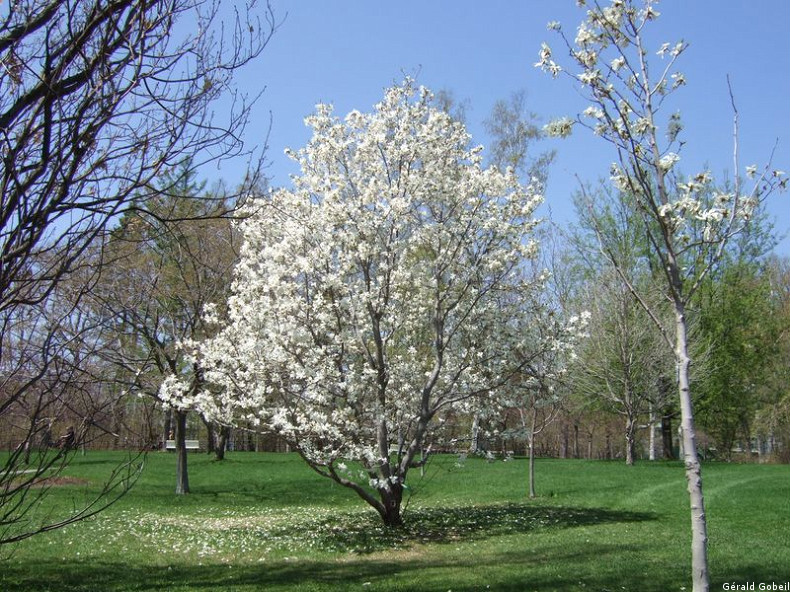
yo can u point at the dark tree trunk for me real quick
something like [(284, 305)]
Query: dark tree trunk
[(630, 445), (182, 477), (666, 437), (609, 453), (222, 443), (564, 441), (390, 510), (210, 435), (630, 440)]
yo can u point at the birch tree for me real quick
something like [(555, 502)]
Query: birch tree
[(379, 293), (687, 219)]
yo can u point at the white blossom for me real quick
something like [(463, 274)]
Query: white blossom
[(594, 112), (667, 161), (618, 63), (546, 63), (559, 128)]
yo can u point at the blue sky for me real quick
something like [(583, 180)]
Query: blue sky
[(346, 52)]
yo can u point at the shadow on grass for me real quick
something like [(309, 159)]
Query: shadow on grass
[(355, 533), (514, 572)]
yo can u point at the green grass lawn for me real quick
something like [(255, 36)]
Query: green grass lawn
[(266, 522)]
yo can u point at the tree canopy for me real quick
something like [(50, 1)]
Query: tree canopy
[(381, 291)]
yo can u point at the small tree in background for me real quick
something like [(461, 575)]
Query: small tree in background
[(687, 220), (168, 263), (553, 333)]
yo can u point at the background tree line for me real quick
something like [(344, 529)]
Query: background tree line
[(116, 258)]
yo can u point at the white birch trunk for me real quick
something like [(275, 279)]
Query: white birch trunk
[(532, 451), (475, 445), (699, 529)]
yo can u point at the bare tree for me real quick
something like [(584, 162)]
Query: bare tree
[(168, 265), (624, 358), (554, 334), (96, 98), (514, 130)]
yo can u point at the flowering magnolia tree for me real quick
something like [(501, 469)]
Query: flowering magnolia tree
[(687, 220), (379, 293)]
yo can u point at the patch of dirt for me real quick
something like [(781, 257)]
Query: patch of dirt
[(59, 482)]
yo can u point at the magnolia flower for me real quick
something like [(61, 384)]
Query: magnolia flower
[(559, 128), (584, 36), (618, 63), (546, 63), (649, 13), (665, 210), (618, 177), (590, 77), (594, 112), (587, 57), (667, 161), (678, 79), (641, 126)]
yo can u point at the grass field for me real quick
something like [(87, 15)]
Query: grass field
[(266, 522)]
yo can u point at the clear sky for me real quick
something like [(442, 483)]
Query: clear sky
[(346, 52)]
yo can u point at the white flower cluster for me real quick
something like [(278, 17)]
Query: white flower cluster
[(559, 128), (546, 63)]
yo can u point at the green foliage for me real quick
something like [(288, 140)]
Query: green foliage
[(739, 321), (265, 521)]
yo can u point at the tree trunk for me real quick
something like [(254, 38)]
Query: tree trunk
[(182, 477), (699, 530), (652, 424), (630, 440), (474, 447), (222, 444), (168, 428), (211, 437), (608, 453), (531, 442), (666, 437), (390, 509), (576, 452), (564, 441)]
